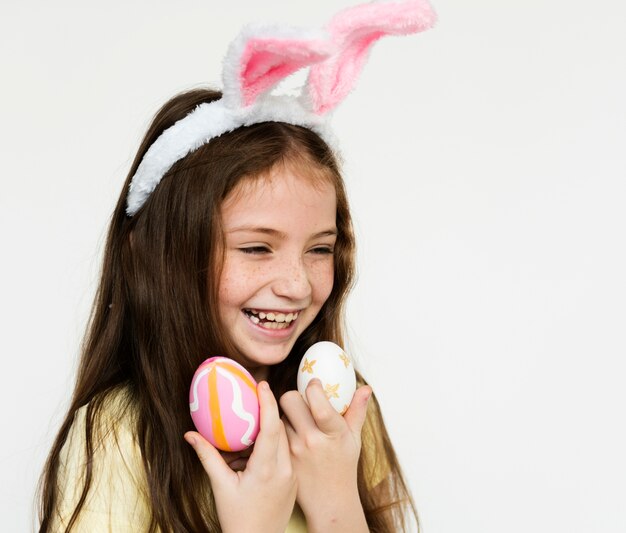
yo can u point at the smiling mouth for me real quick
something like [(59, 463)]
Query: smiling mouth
[(271, 320)]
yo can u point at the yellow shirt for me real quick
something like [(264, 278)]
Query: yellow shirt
[(117, 500)]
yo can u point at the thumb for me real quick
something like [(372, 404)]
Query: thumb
[(356, 413), (212, 462)]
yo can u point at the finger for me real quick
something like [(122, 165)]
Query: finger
[(326, 418), (212, 462), (283, 455), (297, 412), (266, 445), (296, 442), (356, 413), (289, 430)]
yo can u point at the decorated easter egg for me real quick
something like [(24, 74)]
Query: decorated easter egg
[(224, 404), (333, 367)]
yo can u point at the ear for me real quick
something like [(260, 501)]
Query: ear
[(261, 57), (354, 31)]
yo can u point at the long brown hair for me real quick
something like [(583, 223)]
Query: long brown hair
[(154, 321)]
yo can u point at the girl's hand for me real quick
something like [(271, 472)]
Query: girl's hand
[(261, 497), (325, 448)]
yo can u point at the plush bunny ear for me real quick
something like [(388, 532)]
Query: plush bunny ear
[(261, 57), (354, 31)]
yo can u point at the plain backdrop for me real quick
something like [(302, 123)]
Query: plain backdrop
[(486, 166)]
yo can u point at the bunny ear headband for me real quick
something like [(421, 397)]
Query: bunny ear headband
[(258, 59)]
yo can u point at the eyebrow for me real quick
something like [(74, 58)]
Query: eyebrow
[(277, 233)]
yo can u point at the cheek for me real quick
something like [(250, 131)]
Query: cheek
[(225, 292), (323, 282), (237, 283), (229, 288)]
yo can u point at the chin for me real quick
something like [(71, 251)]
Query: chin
[(269, 356)]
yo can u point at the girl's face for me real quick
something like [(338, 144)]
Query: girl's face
[(280, 234)]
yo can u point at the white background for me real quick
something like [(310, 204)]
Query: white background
[(486, 166)]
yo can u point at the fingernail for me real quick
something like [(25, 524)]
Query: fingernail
[(190, 439), (315, 381), (264, 386)]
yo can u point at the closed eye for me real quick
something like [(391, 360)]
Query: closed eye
[(255, 250), (323, 250)]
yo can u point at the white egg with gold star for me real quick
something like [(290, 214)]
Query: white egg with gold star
[(333, 367)]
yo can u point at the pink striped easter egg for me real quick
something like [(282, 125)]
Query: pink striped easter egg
[(224, 404)]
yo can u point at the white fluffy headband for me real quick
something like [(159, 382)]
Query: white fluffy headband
[(258, 59)]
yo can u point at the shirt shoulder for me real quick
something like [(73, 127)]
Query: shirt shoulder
[(117, 498)]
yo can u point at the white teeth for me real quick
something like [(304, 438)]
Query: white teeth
[(269, 325), (281, 320), (274, 325)]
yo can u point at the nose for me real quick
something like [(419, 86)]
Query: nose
[(292, 280)]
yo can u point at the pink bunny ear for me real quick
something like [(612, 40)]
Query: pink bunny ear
[(261, 57), (354, 31)]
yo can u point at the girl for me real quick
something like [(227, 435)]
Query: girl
[(242, 247)]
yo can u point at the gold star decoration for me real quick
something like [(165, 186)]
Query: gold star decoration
[(345, 359), (308, 367), (332, 391)]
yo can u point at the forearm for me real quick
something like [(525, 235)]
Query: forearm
[(334, 515)]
